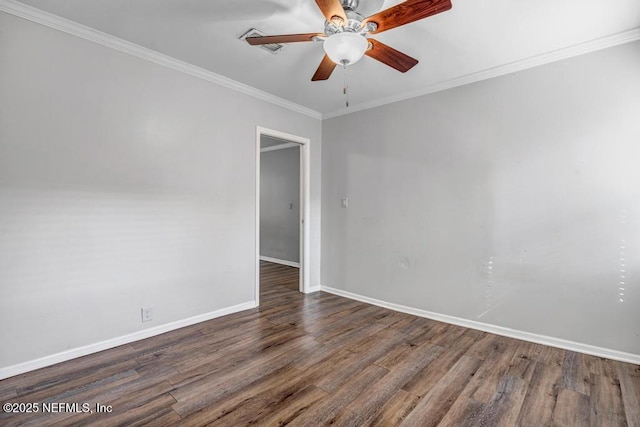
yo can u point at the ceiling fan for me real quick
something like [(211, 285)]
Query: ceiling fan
[(346, 33)]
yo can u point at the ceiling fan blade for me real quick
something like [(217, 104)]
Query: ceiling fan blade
[(324, 70), (407, 12), (287, 38), (391, 57), (331, 8)]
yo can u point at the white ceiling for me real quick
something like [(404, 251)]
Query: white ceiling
[(474, 39)]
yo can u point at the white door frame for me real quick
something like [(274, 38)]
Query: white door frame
[(305, 244)]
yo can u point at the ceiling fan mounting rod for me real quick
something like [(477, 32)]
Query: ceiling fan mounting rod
[(347, 5), (350, 4)]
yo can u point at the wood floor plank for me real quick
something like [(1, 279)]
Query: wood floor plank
[(83, 380), (395, 410), (495, 366), (468, 339), (353, 365), (166, 352), (522, 368), (274, 392), (426, 333), (163, 418), (90, 393), (404, 323), (60, 373), (487, 345), (241, 406), (319, 359), (297, 404), (368, 405), (229, 355), (626, 369), (540, 353), (449, 336), (396, 355), (540, 399), (325, 411), (428, 377), (505, 405), (464, 412), (602, 366), (572, 409), (320, 356), (182, 335), (630, 389), (369, 342), (433, 407), (238, 319), (131, 411), (606, 401), (576, 375), (325, 332), (205, 391), (327, 309), (352, 336), (7, 393)]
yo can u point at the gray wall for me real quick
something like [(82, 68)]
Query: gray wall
[(123, 184), (280, 204), (513, 202)]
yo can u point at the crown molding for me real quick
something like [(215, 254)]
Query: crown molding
[(50, 20), (39, 16), (534, 61)]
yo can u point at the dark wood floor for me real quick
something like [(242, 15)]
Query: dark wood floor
[(320, 359)]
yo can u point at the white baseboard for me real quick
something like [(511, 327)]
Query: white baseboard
[(498, 330), (280, 261), (42, 362), (313, 289)]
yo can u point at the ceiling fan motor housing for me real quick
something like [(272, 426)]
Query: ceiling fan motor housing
[(346, 42), (353, 24)]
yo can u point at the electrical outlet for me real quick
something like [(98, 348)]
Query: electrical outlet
[(147, 314)]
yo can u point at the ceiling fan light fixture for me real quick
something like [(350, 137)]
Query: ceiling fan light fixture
[(346, 48)]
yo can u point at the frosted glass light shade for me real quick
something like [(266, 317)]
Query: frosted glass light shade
[(345, 48)]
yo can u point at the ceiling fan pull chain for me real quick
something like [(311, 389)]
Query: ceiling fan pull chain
[(345, 89)]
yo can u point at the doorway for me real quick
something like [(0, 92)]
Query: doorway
[(289, 208)]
